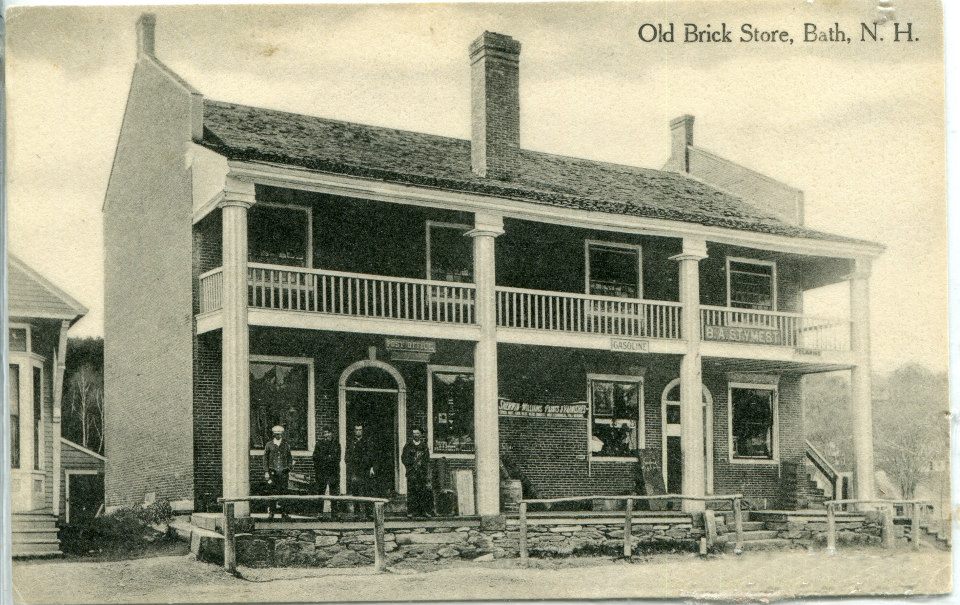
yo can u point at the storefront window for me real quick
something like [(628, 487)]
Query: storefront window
[(616, 412), (751, 285), (280, 394), (752, 422), (279, 235), (451, 402), (613, 270), (449, 252), (13, 396)]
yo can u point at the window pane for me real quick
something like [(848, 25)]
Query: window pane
[(615, 415), (278, 236), (751, 286), (452, 413), (278, 395), (37, 414), (614, 271), (451, 254), (752, 423), (18, 339), (13, 397)]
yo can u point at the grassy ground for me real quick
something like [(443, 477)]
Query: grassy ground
[(754, 576)]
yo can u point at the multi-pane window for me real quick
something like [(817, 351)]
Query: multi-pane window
[(752, 285), (616, 412), (18, 339), (613, 270), (449, 252), (451, 402), (280, 395), (13, 396), (279, 235), (752, 422), (37, 415)]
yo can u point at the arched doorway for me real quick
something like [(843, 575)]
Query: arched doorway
[(671, 422), (373, 394)]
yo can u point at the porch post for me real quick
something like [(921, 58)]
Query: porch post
[(238, 196), (861, 402), (691, 374), (485, 415)]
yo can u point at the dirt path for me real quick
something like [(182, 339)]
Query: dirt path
[(761, 575)]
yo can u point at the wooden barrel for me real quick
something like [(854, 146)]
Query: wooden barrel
[(511, 492)]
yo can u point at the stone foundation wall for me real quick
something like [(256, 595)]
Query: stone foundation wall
[(354, 547)]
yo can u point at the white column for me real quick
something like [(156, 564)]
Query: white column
[(691, 374), (59, 367), (485, 417), (861, 400), (238, 196)]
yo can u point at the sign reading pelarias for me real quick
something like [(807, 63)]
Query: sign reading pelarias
[(747, 335)]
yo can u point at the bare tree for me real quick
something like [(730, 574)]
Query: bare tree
[(85, 405)]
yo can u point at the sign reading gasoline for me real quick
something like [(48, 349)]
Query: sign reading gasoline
[(743, 334), (629, 345), (542, 410)]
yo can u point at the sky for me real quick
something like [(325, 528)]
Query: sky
[(858, 127)]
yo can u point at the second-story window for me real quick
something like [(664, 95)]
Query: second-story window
[(613, 269), (751, 284), (449, 252), (279, 235)]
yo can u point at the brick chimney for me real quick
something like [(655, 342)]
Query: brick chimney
[(495, 106), (146, 26), (681, 136)]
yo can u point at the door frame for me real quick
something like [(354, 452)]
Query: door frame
[(674, 430), (66, 493), (400, 477)]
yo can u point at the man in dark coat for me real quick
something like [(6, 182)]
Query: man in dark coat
[(326, 468), (278, 461), (416, 459), (360, 466)]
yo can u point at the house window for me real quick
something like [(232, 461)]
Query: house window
[(281, 393), (449, 252), (616, 412), (753, 422), (450, 398), (613, 269), (751, 284), (19, 339), (37, 416), (280, 235), (13, 396)]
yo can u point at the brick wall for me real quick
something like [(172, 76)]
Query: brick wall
[(147, 296)]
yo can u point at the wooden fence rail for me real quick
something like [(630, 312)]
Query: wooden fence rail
[(229, 524), (734, 499), (886, 522)]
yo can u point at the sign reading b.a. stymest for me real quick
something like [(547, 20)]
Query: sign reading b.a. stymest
[(743, 334)]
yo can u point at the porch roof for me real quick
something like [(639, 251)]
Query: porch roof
[(255, 134), (32, 295)]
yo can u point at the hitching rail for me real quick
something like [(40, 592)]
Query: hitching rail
[(734, 500), (886, 531), (229, 528)]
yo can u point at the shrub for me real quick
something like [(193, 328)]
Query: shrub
[(126, 531)]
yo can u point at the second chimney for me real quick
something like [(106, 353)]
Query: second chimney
[(681, 137), (495, 106)]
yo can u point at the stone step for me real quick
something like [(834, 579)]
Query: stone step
[(33, 516), (20, 551), (769, 544), (747, 526), (34, 527), (35, 538)]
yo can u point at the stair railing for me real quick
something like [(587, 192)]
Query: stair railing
[(830, 472)]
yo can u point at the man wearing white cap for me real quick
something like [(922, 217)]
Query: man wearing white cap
[(278, 461)]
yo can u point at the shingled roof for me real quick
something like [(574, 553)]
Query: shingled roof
[(241, 132), (29, 294)]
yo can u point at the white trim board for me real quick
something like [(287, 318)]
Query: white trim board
[(79, 447)]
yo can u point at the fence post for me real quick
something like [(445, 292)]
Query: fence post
[(831, 530), (886, 527), (229, 537), (915, 526), (738, 525), (379, 548), (628, 530), (523, 534)]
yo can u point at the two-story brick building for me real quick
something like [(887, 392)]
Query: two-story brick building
[(266, 267)]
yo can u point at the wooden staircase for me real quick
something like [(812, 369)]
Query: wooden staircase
[(35, 535)]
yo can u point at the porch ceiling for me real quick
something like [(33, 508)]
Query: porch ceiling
[(723, 364)]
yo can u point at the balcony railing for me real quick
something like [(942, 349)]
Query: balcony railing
[(587, 314), (358, 295), (211, 290), (774, 328)]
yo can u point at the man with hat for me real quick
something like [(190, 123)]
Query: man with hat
[(278, 461)]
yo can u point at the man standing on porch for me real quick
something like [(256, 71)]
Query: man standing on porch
[(326, 468), (416, 459), (278, 460), (360, 471)]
